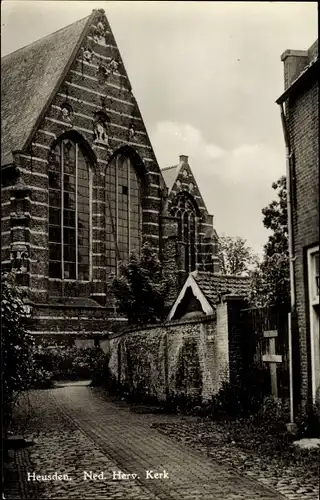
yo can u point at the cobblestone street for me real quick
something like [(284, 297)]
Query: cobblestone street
[(76, 430)]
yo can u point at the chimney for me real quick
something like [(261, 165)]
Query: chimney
[(313, 51), (294, 63), (183, 159)]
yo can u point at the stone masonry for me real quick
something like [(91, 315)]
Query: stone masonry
[(190, 357)]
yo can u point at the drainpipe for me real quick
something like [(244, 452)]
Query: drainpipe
[(291, 255)]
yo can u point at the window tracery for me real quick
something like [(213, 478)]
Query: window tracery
[(69, 212), (184, 209), (123, 204)]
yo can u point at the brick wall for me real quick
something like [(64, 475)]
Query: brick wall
[(190, 357), (303, 121), (195, 356), (169, 256)]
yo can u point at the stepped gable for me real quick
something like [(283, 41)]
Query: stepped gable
[(213, 286), (29, 76)]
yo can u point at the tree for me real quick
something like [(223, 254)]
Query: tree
[(275, 218), (271, 280), (141, 288), (235, 256), (16, 346)]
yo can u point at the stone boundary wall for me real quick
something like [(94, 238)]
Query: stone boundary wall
[(188, 357)]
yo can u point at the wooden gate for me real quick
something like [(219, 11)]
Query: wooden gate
[(265, 346)]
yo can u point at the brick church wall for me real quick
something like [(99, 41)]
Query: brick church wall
[(206, 247), (86, 94), (25, 211)]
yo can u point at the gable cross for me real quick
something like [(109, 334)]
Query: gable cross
[(272, 358)]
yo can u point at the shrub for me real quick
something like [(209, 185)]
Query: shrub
[(141, 288), (239, 399), (181, 402), (308, 421), (70, 362), (140, 394), (20, 368), (101, 373)]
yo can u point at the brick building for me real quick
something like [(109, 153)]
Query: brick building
[(301, 125), (81, 186)]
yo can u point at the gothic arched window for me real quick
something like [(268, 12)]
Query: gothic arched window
[(69, 212), (123, 203), (184, 209)]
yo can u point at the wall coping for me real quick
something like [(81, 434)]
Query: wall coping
[(165, 324), (68, 306), (81, 335)]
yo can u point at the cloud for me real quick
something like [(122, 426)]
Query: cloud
[(206, 76), (235, 183), (247, 164)]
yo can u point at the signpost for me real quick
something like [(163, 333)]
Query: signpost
[(272, 358)]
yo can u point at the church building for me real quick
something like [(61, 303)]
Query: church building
[(81, 186)]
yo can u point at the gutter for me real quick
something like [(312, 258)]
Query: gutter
[(291, 254)]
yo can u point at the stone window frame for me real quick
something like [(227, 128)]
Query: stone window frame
[(187, 216), (88, 156), (124, 237)]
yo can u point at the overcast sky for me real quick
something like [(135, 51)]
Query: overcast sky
[(206, 76)]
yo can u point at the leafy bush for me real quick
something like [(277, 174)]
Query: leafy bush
[(308, 421), (20, 368), (70, 362), (140, 394), (181, 402), (104, 378), (266, 434), (141, 288), (239, 399), (101, 373), (270, 281)]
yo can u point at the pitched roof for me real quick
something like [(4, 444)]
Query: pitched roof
[(213, 286), (208, 289), (170, 174), (29, 77)]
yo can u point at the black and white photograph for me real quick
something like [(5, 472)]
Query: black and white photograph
[(160, 250)]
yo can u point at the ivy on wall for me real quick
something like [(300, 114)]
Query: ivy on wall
[(188, 374)]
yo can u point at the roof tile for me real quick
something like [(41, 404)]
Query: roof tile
[(28, 78), (213, 286), (170, 174)]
